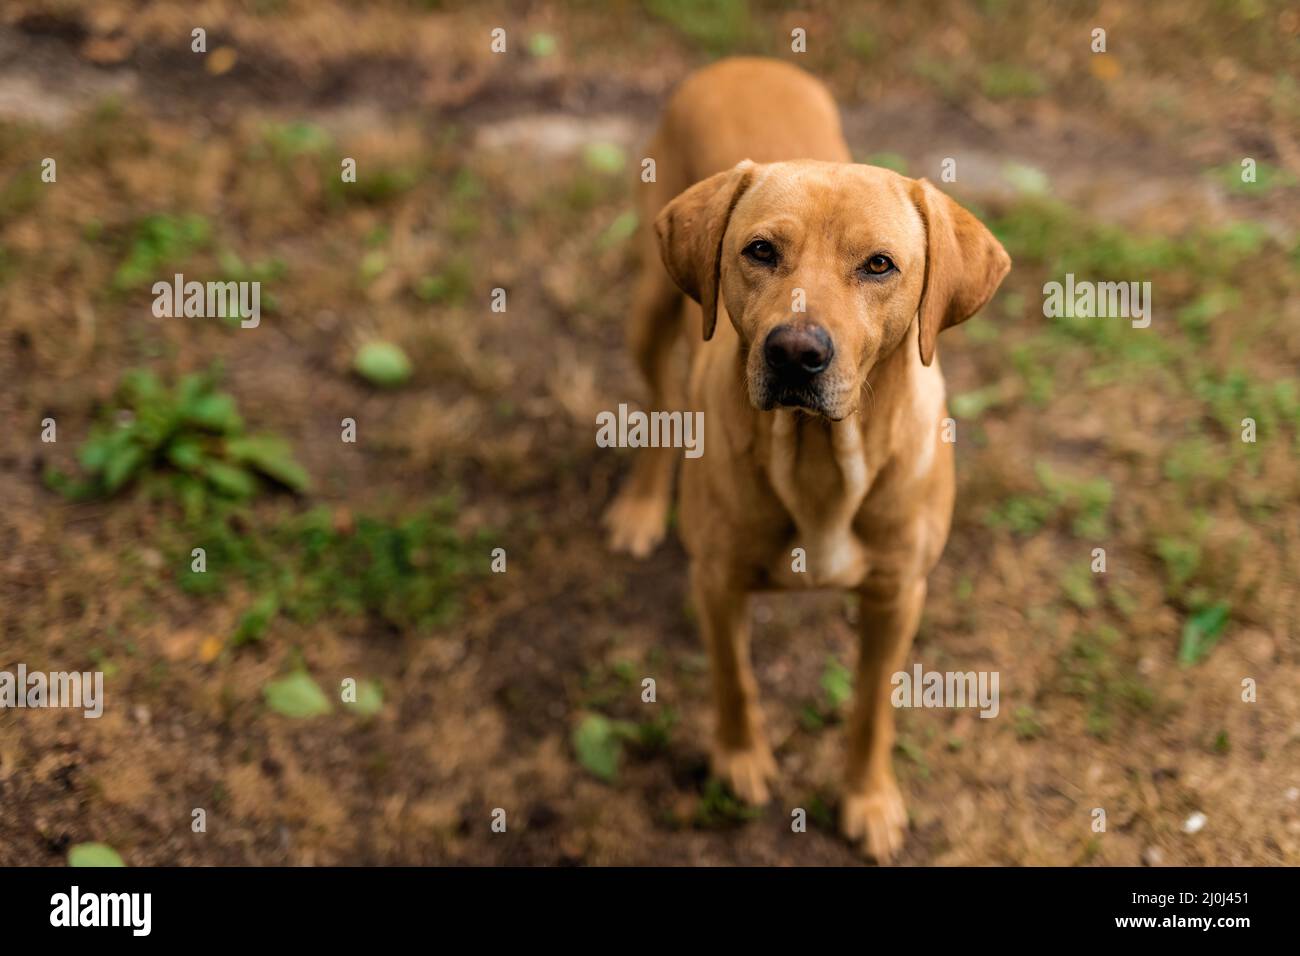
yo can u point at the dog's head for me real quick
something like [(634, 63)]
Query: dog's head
[(822, 268)]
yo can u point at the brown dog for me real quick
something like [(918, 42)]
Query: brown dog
[(819, 387)]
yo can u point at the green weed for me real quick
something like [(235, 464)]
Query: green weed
[(158, 242), (189, 440)]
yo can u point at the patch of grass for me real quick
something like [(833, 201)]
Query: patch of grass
[(862, 43), (1030, 361), (408, 573), (1092, 672), (1201, 631), (1045, 230), (264, 271), (895, 161), (379, 184), (452, 286), (1237, 394), (910, 749), (1195, 317), (1026, 724), (1079, 584), (719, 809), (719, 26), (607, 687), (158, 243), (836, 684), (1084, 502), (286, 141), (654, 735), (287, 145), (21, 192), (1197, 465), (188, 440), (940, 74), (1002, 81), (1267, 177), (1181, 557)]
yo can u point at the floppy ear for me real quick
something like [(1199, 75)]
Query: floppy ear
[(964, 265), (690, 231)]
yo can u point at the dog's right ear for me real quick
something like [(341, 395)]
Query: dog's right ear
[(690, 231)]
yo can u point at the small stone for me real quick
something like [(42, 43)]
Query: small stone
[(1153, 856), (1195, 823)]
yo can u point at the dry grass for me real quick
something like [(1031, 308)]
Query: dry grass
[(475, 173)]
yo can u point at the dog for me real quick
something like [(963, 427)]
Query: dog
[(819, 385)]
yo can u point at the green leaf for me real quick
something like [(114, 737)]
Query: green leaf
[(141, 387), (213, 411), (972, 405), (272, 457), (604, 157), (1201, 632), (1026, 179), (122, 464), (383, 364), (598, 742), (297, 696), (186, 454), (370, 699), (99, 448), (229, 480), (837, 683), (254, 622), (93, 854), (620, 230), (542, 44), (895, 161)]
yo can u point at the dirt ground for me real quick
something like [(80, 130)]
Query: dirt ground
[(1120, 691)]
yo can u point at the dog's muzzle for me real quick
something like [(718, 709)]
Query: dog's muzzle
[(794, 358)]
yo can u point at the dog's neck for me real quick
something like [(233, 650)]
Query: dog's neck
[(823, 518), (823, 502)]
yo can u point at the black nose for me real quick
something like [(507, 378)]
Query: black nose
[(798, 351)]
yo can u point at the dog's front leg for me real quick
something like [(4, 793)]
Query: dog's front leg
[(740, 754), (873, 811)]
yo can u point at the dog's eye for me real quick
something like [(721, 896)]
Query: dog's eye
[(878, 265), (760, 250)]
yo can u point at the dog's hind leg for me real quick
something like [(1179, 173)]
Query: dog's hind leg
[(638, 516)]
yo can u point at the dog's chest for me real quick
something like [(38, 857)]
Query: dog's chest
[(822, 488)]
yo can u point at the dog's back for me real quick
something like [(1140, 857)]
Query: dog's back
[(750, 108)]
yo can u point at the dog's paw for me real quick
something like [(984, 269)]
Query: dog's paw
[(636, 523), (876, 819), (747, 772)]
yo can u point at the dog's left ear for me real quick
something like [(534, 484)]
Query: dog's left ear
[(964, 265), (690, 231)]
